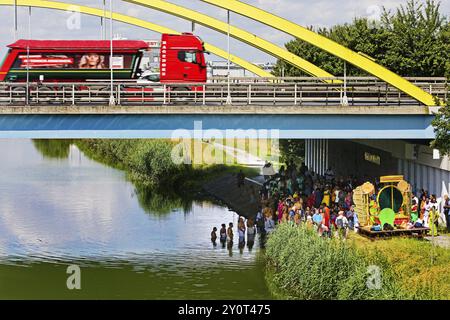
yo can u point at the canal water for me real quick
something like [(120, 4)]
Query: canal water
[(59, 208)]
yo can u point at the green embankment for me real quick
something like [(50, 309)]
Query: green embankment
[(300, 265), (149, 162)]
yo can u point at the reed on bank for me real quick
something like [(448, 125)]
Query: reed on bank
[(302, 265)]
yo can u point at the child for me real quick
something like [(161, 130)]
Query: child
[(342, 225), (213, 234)]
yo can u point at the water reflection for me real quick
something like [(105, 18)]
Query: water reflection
[(162, 202), (57, 210), (57, 148)]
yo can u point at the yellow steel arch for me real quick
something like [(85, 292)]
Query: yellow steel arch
[(136, 22), (328, 45), (237, 33)]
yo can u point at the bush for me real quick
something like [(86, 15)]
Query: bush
[(146, 161), (304, 266)]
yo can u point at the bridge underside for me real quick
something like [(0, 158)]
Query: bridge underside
[(288, 125)]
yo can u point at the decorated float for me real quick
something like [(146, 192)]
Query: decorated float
[(386, 211)]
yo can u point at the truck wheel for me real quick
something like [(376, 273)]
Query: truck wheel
[(44, 94), (18, 94), (181, 95)]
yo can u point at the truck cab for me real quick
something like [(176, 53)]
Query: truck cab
[(182, 59)]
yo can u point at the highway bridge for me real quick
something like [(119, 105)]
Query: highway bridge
[(294, 107), (306, 91)]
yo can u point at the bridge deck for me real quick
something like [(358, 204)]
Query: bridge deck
[(216, 109)]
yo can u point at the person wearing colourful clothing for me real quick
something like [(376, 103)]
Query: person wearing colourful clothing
[(446, 206), (355, 222), (327, 197), (373, 210), (414, 211), (351, 217), (317, 219), (326, 221)]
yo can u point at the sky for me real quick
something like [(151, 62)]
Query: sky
[(53, 24)]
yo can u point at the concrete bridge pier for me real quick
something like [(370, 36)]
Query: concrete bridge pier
[(317, 155)]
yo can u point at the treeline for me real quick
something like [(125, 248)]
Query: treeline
[(412, 41)]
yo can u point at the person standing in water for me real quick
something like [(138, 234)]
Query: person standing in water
[(223, 233), (230, 232), (241, 229), (214, 235)]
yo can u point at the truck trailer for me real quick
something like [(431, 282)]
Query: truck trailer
[(182, 60)]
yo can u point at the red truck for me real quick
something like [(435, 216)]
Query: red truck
[(182, 60)]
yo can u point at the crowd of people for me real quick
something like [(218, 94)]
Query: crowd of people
[(423, 207), (323, 202), (300, 195)]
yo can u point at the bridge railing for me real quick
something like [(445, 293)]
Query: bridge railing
[(277, 92)]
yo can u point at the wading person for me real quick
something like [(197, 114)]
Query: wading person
[(230, 233), (251, 229), (214, 234), (223, 233), (241, 229)]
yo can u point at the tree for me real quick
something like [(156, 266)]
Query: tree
[(441, 126), (292, 151), (413, 41), (418, 40)]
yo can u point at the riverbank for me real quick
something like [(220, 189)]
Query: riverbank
[(244, 199), (301, 265), (149, 163)]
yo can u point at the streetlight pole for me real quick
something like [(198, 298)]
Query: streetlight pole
[(15, 20), (111, 97), (103, 21), (28, 57), (229, 101), (344, 101)]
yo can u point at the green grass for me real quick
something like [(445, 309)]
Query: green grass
[(421, 269), (302, 265)]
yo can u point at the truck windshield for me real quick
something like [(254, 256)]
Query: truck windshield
[(187, 56)]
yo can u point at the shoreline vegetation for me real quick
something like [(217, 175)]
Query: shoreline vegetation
[(302, 265), (148, 162)]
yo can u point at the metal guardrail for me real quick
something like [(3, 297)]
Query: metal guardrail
[(363, 91)]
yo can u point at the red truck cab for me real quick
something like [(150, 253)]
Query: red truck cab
[(182, 59)]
